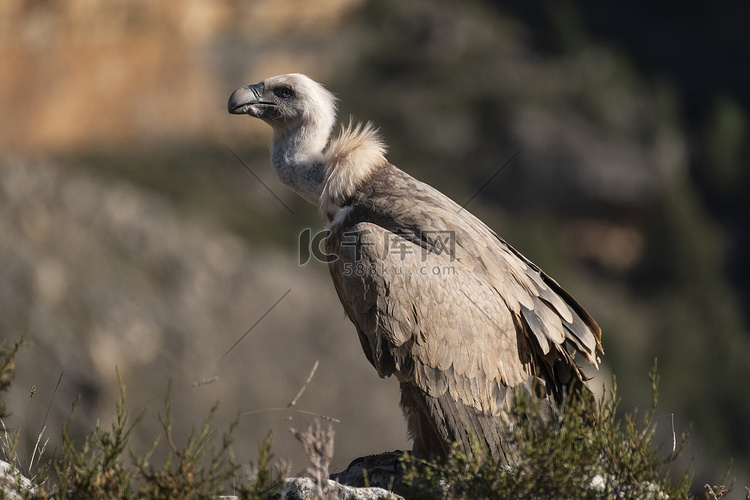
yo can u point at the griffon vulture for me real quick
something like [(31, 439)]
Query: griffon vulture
[(438, 299)]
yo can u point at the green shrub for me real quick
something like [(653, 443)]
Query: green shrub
[(588, 452), (100, 468)]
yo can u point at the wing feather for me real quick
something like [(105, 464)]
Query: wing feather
[(460, 327)]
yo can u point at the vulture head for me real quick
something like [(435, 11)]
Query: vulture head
[(302, 114), (286, 102)]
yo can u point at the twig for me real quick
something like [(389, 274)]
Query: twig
[(674, 436), (254, 325), (318, 446), (44, 422), (258, 178), (490, 179), (304, 386), (36, 447), (717, 492), (205, 381), (324, 417)]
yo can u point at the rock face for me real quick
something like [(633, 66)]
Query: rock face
[(141, 59), (12, 484), (304, 488)]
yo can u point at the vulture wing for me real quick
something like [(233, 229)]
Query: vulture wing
[(459, 316)]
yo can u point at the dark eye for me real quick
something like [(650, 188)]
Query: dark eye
[(284, 92)]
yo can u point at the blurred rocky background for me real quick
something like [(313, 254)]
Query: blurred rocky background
[(132, 240)]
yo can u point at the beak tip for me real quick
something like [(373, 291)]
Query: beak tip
[(235, 104), (241, 99), (235, 110)]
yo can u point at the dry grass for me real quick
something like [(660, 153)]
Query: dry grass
[(318, 446)]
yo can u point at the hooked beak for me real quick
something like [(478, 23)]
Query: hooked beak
[(242, 100)]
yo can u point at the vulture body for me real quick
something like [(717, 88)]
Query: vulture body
[(459, 317)]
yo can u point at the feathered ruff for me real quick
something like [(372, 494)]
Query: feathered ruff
[(351, 158)]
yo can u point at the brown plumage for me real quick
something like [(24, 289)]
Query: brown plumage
[(439, 300)]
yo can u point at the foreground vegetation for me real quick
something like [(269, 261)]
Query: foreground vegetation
[(102, 466), (590, 452)]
